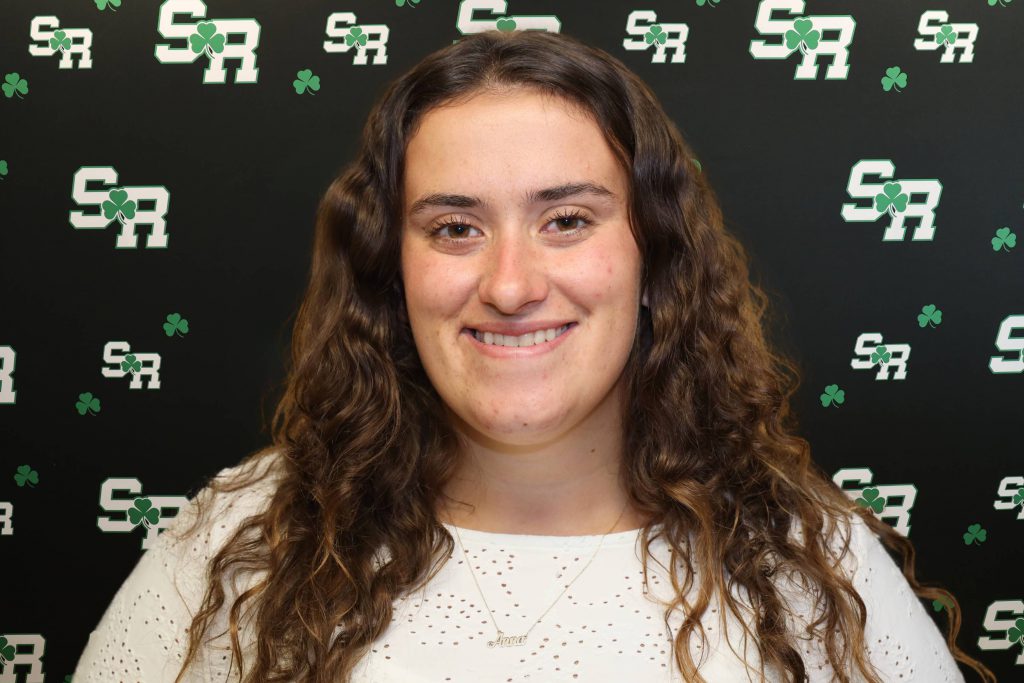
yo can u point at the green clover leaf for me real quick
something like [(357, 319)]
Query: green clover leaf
[(946, 34), (118, 203), (1018, 497), (880, 354), (709, 3), (7, 650), (506, 24), (143, 512), (412, 3), (175, 323), (207, 38), (26, 475), (13, 83), (1004, 240), (102, 4), (1014, 633), (992, 3), (928, 315), (3, 168), (891, 198), (870, 499), (355, 35), (305, 79), (894, 77), (801, 36), (939, 603), (656, 34), (87, 403), (833, 394), (975, 534), (60, 41), (130, 364)]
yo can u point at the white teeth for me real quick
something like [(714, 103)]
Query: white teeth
[(529, 339)]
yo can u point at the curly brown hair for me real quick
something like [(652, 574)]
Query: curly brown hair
[(710, 451)]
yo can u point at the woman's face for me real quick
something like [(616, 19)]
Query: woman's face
[(511, 260)]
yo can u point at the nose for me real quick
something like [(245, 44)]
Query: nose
[(516, 271)]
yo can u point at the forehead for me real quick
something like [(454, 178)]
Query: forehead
[(503, 145)]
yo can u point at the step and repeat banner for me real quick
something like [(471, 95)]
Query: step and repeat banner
[(160, 165)]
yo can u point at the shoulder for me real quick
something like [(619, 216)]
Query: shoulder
[(143, 634), (214, 514), (902, 640)]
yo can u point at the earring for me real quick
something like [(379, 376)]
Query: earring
[(643, 299)]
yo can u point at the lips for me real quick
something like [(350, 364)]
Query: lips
[(519, 329), (558, 330), (517, 352)]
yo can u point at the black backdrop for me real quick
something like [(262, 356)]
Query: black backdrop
[(203, 296)]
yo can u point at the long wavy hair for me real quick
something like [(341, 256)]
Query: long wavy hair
[(364, 447)]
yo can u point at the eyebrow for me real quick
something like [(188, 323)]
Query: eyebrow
[(549, 194)]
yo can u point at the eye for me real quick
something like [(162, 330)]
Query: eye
[(571, 216)]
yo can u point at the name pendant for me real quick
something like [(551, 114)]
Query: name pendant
[(506, 641)]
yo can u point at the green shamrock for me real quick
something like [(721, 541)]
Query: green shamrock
[(26, 474), (412, 3), (992, 3), (1018, 497), (939, 603), (118, 205), (129, 363), (894, 77), (656, 34), (305, 79), (833, 394), (870, 499), (506, 24), (946, 34), (7, 650), (1016, 631), (709, 3), (975, 534), (1004, 239), (13, 83), (880, 355), (207, 38), (801, 36), (3, 168), (928, 315), (355, 35), (102, 4), (67, 679), (60, 41), (87, 402), (175, 323), (143, 512), (891, 198)]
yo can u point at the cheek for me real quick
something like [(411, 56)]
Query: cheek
[(432, 288), (603, 277)]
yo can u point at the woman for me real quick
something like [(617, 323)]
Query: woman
[(436, 505)]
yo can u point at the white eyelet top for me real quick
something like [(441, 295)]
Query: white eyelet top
[(604, 628)]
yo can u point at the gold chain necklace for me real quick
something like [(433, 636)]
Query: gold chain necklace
[(509, 641)]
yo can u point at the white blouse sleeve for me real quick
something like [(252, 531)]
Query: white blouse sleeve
[(903, 642), (143, 634)]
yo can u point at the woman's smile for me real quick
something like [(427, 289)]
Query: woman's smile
[(500, 351)]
